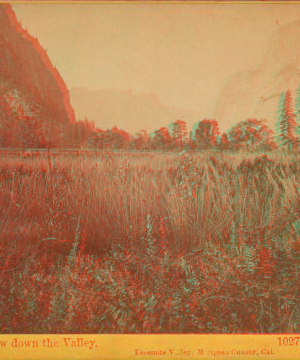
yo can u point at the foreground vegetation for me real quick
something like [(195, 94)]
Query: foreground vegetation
[(149, 242)]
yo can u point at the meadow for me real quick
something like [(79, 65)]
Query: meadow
[(148, 242)]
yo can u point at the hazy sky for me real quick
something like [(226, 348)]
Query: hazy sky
[(182, 53)]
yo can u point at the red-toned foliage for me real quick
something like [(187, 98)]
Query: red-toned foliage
[(251, 133), (207, 133), (179, 133)]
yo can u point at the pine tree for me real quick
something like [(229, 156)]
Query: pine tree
[(179, 133), (278, 127), (297, 112), (286, 124)]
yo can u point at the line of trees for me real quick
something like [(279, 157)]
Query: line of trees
[(23, 125), (249, 134)]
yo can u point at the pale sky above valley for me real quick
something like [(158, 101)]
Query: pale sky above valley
[(181, 53)]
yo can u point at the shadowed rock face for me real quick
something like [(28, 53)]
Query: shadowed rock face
[(26, 68), (255, 93)]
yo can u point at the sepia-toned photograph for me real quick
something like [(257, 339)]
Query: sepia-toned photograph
[(150, 170)]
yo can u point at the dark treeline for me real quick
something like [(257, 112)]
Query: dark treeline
[(22, 126)]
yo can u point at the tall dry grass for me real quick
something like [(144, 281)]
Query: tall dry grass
[(149, 242)]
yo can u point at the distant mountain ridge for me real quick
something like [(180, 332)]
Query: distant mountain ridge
[(255, 93), (127, 110), (26, 70)]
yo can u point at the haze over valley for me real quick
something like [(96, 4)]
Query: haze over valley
[(224, 62)]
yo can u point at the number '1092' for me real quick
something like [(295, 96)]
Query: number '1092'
[(288, 340)]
